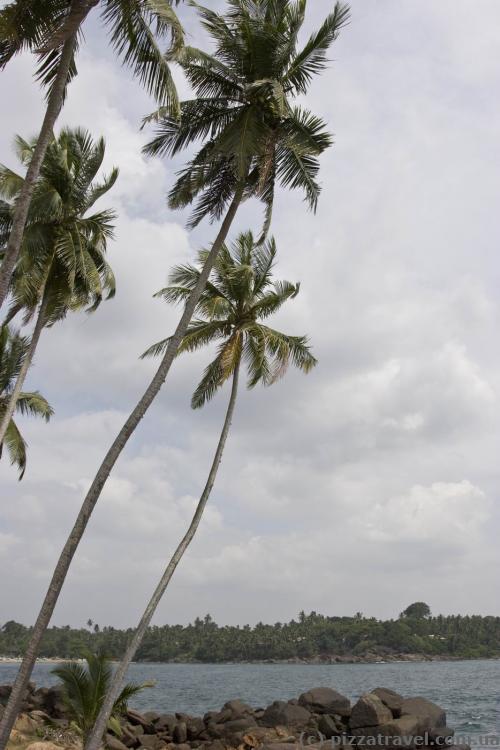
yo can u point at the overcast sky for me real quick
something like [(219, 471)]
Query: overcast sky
[(374, 481)]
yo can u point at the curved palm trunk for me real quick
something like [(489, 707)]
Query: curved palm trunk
[(95, 739), (69, 549), (80, 10), (16, 391)]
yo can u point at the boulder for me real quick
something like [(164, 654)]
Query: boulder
[(396, 733), (324, 700), (25, 724), (180, 732), (5, 691), (280, 713), (195, 726), (151, 716), (165, 722), (426, 709), (43, 746), (369, 711), (136, 718), (239, 725), (113, 743), (219, 717), (151, 742), (328, 726), (237, 708), (441, 736), (392, 700)]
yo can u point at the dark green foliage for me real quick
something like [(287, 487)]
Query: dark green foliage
[(418, 610), (239, 296), (245, 115), (13, 349), (136, 29), (311, 636), (84, 688), (64, 245)]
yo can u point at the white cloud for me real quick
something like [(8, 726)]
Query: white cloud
[(373, 480)]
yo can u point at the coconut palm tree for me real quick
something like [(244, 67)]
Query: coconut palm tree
[(84, 688), (238, 298), (62, 266), (14, 349), (253, 138), (52, 29)]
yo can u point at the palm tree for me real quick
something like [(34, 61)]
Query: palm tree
[(13, 351), (62, 264), (237, 299), (84, 688), (53, 30), (256, 137)]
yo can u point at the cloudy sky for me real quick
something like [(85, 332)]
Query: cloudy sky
[(370, 483)]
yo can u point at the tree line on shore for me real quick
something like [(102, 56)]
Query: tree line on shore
[(309, 636)]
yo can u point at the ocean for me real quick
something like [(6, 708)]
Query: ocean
[(468, 690)]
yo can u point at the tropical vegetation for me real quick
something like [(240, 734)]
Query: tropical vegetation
[(308, 636), (254, 136), (84, 687), (239, 295), (14, 349), (52, 30), (62, 265)]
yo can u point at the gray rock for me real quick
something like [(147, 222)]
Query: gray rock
[(180, 732), (396, 733), (136, 718), (392, 700), (426, 709), (280, 713), (324, 700), (165, 722), (328, 726), (215, 730), (151, 742), (195, 726), (239, 725), (441, 736), (237, 708), (113, 743), (369, 711)]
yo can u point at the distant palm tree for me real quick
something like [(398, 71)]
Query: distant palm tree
[(254, 138), (238, 297), (84, 688), (53, 30), (13, 351), (62, 266)]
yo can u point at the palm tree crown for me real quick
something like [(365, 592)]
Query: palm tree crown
[(245, 109), (13, 350), (136, 28), (239, 296), (84, 688), (63, 252)]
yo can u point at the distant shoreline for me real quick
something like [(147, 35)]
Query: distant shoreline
[(334, 660)]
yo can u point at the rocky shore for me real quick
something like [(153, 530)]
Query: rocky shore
[(319, 718)]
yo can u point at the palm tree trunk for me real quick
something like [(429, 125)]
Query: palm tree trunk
[(14, 396), (95, 738), (73, 540), (79, 8)]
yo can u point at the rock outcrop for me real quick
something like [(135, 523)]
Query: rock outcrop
[(321, 718)]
